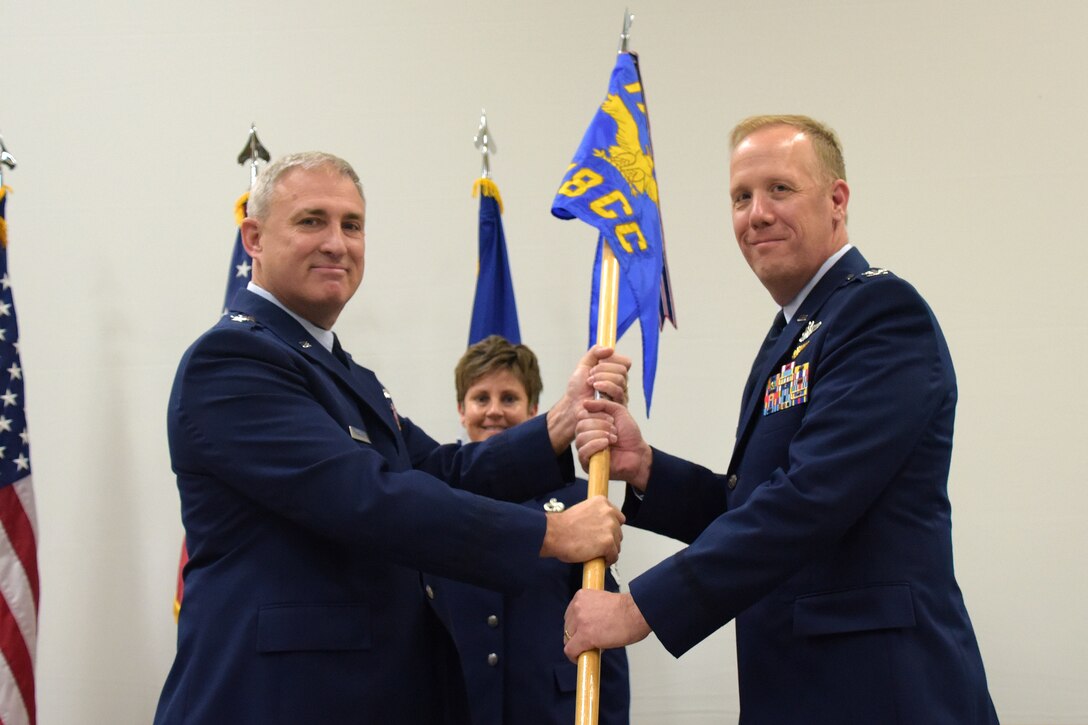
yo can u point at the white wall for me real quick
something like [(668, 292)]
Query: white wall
[(966, 146)]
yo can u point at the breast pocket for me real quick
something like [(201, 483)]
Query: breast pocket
[(773, 423), (878, 606), (312, 627)]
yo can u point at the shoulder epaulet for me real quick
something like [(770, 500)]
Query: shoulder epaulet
[(233, 317), (869, 274)]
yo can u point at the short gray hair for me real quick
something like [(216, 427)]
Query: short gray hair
[(260, 196)]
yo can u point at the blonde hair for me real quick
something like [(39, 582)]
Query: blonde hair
[(824, 140)]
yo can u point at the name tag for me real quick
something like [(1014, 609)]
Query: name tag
[(358, 434)]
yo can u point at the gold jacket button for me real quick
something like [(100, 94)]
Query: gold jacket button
[(492, 659), (430, 591), (492, 621), (732, 482)]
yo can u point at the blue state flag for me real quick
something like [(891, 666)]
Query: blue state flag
[(611, 184), (494, 311)]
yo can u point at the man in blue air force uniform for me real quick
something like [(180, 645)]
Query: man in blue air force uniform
[(311, 506), (828, 538)]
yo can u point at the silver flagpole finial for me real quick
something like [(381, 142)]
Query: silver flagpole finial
[(485, 142), (253, 153), (6, 159), (628, 18)]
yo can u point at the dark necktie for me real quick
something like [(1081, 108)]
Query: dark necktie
[(777, 326), (338, 352)]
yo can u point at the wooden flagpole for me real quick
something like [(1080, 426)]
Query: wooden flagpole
[(587, 704)]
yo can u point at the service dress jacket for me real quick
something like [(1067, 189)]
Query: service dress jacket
[(828, 539), (511, 645), (310, 509)]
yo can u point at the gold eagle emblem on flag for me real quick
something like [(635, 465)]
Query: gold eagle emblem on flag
[(627, 156)]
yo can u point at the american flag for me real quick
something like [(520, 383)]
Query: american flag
[(241, 264), (18, 522)]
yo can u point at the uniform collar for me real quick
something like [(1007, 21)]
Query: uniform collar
[(790, 309), (324, 337)]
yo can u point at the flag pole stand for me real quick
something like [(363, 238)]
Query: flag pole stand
[(587, 703)]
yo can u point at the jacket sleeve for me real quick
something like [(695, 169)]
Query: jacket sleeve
[(486, 468), (681, 499), (250, 415), (882, 376)]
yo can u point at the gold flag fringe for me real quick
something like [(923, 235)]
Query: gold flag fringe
[(240, 208), (3, 224), (488, 188)]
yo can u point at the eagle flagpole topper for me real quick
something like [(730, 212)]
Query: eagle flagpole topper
[(611, 185)]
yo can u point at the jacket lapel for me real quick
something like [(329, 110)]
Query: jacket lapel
[(762, 368), (851, 264), (360, 381)]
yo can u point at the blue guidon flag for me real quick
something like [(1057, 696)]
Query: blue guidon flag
[(611, 185)]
